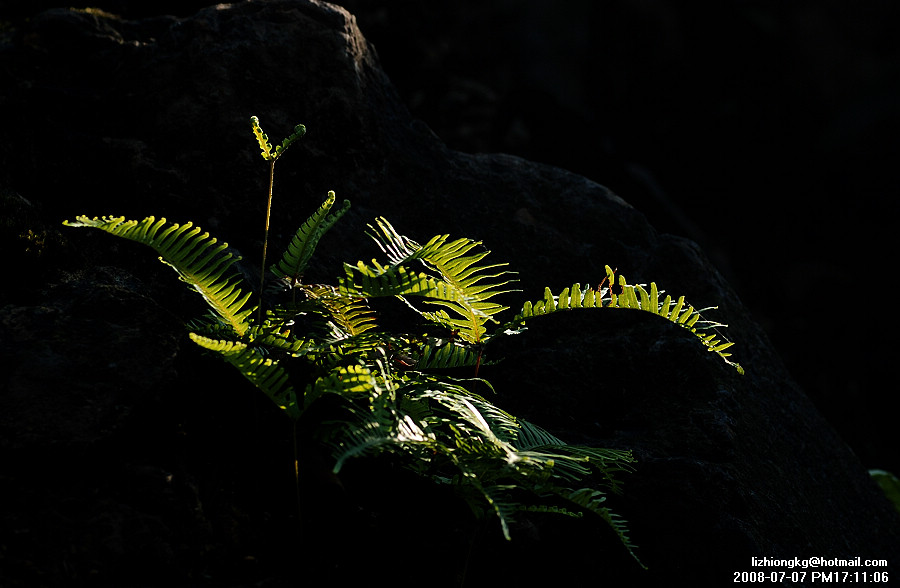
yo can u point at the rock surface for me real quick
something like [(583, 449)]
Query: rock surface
[(132, 459)]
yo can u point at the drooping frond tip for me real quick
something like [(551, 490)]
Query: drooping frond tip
[(266, 150)]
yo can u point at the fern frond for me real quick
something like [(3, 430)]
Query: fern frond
[(300, 250), (264, 373), (634, 297), (198, 258), (462, 284)]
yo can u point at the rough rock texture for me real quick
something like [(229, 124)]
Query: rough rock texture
[(132, 458)]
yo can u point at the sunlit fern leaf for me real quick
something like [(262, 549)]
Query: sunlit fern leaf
[(198, 258), (264, 373), (608, 459), (557, 464), (303, 244), (469, 284), (634, 297), (603, 462), (463, 269), (398, 248)]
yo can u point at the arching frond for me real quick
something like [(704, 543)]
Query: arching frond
[(198, 258), (303, 244), (634, 297)]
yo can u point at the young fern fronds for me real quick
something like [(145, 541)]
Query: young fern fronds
[(198, 258), (271, 156), (265, 147), (303, 244)]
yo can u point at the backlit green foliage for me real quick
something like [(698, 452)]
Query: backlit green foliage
[(389, 385)]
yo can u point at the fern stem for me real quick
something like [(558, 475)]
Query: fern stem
[(297, 481), (262, 270)]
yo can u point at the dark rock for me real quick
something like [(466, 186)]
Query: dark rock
[(150, 472)]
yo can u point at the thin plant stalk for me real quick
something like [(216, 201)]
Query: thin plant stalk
[(262, 270)]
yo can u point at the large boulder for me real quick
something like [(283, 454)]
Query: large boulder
[(131, 456)]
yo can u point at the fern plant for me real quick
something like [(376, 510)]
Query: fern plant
[(389, 386)]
